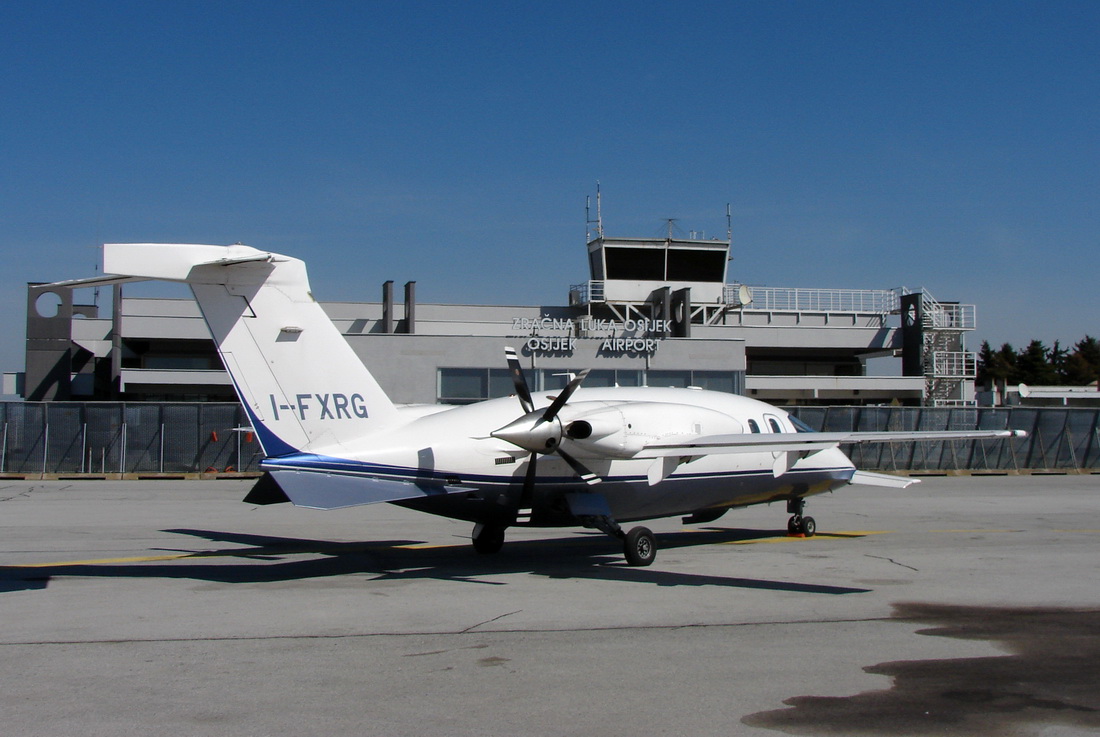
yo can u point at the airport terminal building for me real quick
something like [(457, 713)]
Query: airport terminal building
[(653, 311)]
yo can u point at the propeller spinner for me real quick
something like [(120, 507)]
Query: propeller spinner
[(540, 431)]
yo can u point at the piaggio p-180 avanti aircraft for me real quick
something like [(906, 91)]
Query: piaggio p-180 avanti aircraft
[(593, 457)]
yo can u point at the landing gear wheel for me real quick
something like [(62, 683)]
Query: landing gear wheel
[(808, 526), (640, 547), (488, 538), (794, 525)]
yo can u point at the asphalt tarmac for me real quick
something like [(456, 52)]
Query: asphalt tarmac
[(960, 606)]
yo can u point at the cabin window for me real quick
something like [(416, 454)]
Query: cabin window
[(774, 424), (753, 426)]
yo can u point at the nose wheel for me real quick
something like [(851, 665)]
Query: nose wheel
[(798, 524)]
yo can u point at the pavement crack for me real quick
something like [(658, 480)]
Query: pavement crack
[(891, 560), (489, 621), (21, 495)]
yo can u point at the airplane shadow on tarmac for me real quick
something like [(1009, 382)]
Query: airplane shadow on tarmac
[(266, 559)]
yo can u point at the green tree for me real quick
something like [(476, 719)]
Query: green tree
[(1083, 365), (1033, 365), (997, 366)]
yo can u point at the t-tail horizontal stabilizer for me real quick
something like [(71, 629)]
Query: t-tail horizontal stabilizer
[(301, 383)]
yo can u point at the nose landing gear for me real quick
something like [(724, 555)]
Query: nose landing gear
[(797, 524)]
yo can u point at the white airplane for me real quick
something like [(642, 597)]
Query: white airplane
[(594, 457)]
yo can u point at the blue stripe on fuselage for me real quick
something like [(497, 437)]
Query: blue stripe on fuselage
[(311, 462)]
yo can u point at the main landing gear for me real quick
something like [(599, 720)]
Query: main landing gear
[(639, 545), (797, 524), (488, 538)]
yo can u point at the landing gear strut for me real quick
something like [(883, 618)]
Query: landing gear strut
[(639, 545), (488, 538), (797, 524)]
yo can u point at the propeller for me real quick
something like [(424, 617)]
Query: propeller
[(540, 431)]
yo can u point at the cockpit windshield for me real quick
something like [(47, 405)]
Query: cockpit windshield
[(799, 425)]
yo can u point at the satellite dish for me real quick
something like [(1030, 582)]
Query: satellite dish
[(744, 295)]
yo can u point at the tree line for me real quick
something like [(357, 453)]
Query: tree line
[(1038, 365)]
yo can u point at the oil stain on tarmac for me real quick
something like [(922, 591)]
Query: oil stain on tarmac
[(1050, 676)]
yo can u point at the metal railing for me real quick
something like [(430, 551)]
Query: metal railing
[(586, 292), (797, 299), (955, 364)]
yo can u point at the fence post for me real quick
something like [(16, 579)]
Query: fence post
[(4, 451), (45, 447), (161, 447), (84, 449), (122, 451), (1068, 435)]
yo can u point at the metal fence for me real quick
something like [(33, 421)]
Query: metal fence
[(125, 438), (1059, 439), (173, 438)]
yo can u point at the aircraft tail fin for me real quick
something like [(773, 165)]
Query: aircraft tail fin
[(302, 385)]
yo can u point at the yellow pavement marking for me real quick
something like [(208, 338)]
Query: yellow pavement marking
[(105, 561), (789, 538), (243, 552), (979, 530)]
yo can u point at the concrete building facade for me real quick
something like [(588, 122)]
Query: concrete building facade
[(653, 312)]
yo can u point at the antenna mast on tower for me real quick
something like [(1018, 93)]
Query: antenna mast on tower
[(598, 222)]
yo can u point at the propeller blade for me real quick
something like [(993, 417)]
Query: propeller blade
[(581, 470), (563, 397), (520, 381), (529, 482)]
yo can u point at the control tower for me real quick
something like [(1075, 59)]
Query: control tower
[(677, 280)]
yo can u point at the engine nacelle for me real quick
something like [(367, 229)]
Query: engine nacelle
[(623, 431)]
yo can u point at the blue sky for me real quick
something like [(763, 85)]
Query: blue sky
[(954, 146)]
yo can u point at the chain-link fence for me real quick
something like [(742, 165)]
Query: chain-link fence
[(173, 438), (125, 438), (1059, 439)]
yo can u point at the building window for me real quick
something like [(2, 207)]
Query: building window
[(551, 379), (678, 379), (715, 381), (468, 385)]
